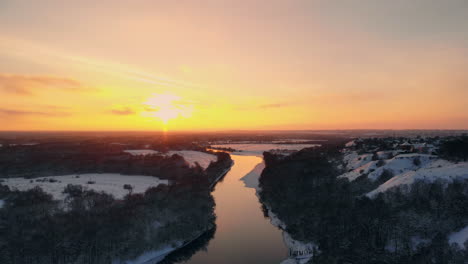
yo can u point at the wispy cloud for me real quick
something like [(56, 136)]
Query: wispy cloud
[(123, 111), (21, 113), (275, 105), (29, 84), (22, 48), (264, 106)]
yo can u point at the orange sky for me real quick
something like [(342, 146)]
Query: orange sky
[(215, 65)]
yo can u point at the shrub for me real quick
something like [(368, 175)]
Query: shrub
[(73, 190), (380, 163), (375, 156), (386, 175), (417, 161), (91, 182)]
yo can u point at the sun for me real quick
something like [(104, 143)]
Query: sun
[(166, 107)]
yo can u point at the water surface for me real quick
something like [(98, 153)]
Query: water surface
[(243, 234)]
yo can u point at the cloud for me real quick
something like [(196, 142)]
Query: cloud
[(276, 105), (21, 113), (123, 111), (263, 106), (28, 84)]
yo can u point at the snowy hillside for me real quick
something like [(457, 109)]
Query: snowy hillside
[(459, 237), (405, 168), (397, 165), (204, 159), (448, 172), (106, 182)]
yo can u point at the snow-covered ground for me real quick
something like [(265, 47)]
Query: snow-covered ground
[(299, 252), (251, 179), (448, 173), (153, 256), (137, 152), (405, 168), (397, 165), (191, 156), (459, 237), (353, 160), (1, 204), (258, 149), (106, 182)]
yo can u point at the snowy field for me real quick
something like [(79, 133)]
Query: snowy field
[(204, 159), (137, 152), (106, 182), (258, 149)]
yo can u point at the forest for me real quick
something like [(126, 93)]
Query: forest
[(94, 227), (398, 226)]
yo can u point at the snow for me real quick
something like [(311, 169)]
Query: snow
[(251, 179), (153, 256), (294, 140), (106, 182), (258, 149), (399, 164), (438, 170), (350, 144), (459, 237), (204, 159), (299, 251), (191, 156), (354, 161), (1, 204), (137, 152)]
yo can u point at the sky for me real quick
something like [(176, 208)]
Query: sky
[(223, 65)]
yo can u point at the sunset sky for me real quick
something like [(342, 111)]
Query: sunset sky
[(218, 65)]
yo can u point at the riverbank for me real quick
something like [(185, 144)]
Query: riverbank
[(156, 256)]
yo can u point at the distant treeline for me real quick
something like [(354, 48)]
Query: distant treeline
[(52, 160)]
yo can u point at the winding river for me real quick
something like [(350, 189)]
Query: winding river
[(243, 234)]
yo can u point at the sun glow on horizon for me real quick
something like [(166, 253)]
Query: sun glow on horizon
[(263, 65), (166, 107)]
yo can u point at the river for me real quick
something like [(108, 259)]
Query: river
[(243, 234)]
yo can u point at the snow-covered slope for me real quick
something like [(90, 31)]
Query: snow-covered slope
[(204, 159), (459, 237), (106, 182), (438, 170), (397, 165), (353, 160)]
